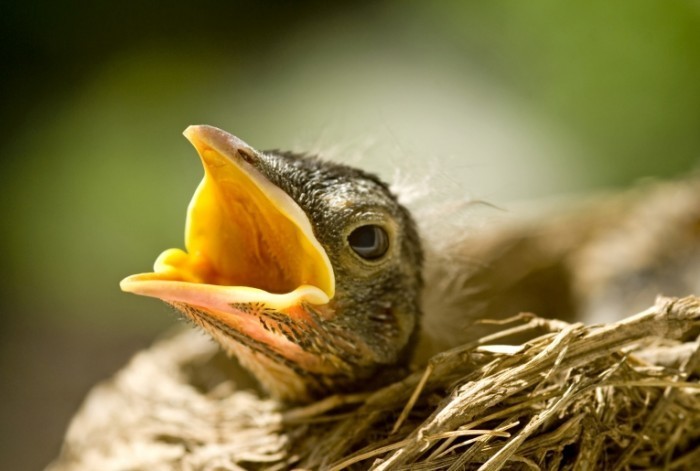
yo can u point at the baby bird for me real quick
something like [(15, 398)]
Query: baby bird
[(308, 271)]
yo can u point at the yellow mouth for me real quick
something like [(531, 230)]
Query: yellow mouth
[(246, 240)]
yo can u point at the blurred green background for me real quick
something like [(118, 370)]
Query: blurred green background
[(504, 101)]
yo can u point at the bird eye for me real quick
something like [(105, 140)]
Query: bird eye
[(369, 242)]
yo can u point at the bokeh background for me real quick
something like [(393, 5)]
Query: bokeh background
[(503, 101)]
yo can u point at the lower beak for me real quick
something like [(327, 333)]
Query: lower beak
[(249, 248)]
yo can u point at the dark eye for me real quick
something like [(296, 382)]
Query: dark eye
[(369, 242)]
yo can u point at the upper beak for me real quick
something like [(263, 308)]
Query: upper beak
[(246, 239)]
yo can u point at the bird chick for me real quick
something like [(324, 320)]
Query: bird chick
[(308, 271)]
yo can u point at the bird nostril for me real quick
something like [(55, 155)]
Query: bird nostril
[(249, 158)]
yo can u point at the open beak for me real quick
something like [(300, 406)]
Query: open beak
[(247, 243)]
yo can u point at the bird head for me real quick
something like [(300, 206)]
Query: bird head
[(308, 271)]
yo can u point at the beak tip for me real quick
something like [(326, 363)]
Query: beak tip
[(195, 129), (196, 133), (203, 136), (126, 285), (135, 283)]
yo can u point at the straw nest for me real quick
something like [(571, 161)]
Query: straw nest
[(609, 397), (620, 395)]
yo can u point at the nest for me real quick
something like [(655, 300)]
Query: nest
[(608, 397), (532, 394), (617, 396)]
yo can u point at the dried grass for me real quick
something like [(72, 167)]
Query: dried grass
[(574, 398), (621, 396)]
